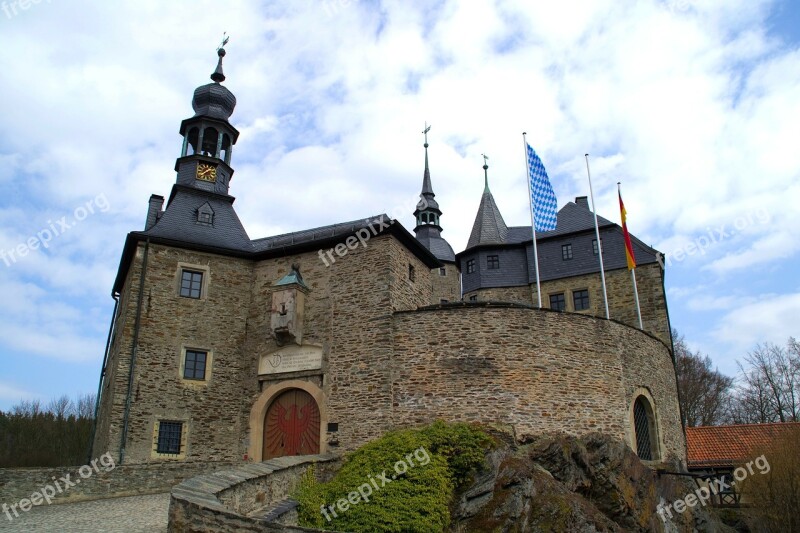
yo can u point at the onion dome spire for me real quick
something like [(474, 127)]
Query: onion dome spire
[(215, 100)]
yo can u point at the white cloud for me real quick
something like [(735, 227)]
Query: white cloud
[(11, 393), (773, 318)]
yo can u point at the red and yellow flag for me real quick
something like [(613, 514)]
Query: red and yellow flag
[(628, 246)]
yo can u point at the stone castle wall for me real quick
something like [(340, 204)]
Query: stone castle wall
[(447, 287), (536, 370), (169, 324)]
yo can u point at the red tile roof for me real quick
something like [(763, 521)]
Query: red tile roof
[(715, 446)]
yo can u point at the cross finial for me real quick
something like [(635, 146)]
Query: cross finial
[(225, 39), (425, 131)]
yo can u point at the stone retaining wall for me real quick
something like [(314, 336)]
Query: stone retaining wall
[(125, 480), (222, 501)]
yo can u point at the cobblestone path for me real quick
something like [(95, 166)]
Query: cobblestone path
[(132, 514)]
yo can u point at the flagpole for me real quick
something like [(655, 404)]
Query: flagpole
[(599, 242), (533, 220), (633, 276)]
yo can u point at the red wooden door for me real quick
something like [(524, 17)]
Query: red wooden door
[(291, 425)]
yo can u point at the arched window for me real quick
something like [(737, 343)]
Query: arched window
[(210, 139), (192, 140), (645, 429), (225, 154)]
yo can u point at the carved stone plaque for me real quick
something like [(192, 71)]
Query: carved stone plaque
[(291, 359)]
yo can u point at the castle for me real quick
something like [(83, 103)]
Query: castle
[(225, 348)]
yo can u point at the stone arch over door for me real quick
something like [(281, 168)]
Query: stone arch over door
[(278, 393)]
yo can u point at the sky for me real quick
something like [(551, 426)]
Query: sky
[(691, 104)]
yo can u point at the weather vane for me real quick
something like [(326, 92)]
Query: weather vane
[(425, 131), (485, 158), (225, 39)]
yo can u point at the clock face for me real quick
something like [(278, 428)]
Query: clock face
[(206, 172)]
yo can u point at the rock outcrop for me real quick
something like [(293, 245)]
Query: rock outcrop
[(588, 484)]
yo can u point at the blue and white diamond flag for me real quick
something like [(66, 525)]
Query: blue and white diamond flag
[(543, 198)]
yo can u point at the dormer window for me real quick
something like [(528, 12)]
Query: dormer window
[(205, 215)]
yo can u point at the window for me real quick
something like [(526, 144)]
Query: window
[(191, 283), (442, 271), (169, 437), (473, 298), (580, 300), (443, 301), (205, 215), (557, 302), (492, 262), (644, 428), (566, 252), (194, 366), (412, 274), (595, 250), (470, 266)]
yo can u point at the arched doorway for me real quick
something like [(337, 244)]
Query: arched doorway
[(291, 425)]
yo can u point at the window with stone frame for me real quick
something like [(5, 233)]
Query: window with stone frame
[(194, 364), (170, 435), (412, 273), (473, 298), (191, 283), (470, 266), (442, 271), (492, 262), (566, 252), (558, 302), (580, 300)]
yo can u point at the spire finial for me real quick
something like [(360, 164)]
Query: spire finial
[(218, 76), (485, 173), (425, 132)]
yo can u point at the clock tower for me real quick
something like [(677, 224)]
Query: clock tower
[(208, 137)]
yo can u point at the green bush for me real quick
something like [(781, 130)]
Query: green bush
[(402, 482)]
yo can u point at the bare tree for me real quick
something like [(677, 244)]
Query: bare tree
[(704, 391), (770, 385), (60, 407), (85, 406)]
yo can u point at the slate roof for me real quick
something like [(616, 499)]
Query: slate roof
[(179, 222), (575, 226), (431, 239), (573, 217), (728, 446), (489, 226)]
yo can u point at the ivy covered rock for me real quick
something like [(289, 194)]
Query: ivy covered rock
[(402, 482)]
